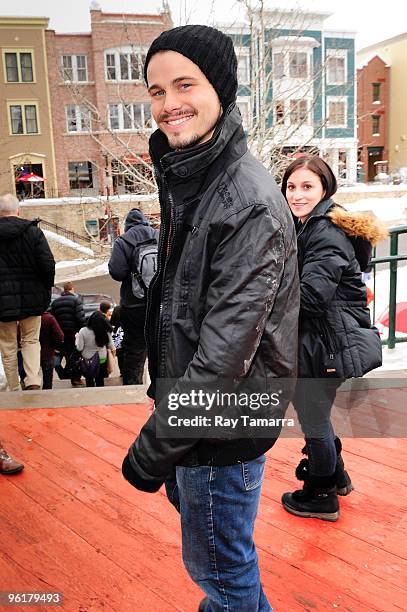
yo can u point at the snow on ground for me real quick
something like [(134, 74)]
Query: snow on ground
[(73, 262), (66, 242)]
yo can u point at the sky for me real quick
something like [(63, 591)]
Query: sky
[(373, 20)]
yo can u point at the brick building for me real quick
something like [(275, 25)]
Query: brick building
[(26, 132), (100, 106), (373, 82)]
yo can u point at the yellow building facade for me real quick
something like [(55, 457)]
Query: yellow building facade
[(26, 133), (393, 51)]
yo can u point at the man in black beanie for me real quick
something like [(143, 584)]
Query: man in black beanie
[(223, 305)]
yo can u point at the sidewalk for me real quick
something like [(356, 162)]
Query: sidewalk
[(71, 524)]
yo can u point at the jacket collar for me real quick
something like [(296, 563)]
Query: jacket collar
[(187, 162), (320, 210)]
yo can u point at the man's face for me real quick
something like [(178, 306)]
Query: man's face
[(184, 104)]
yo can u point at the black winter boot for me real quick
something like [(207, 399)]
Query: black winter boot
[(344, 485), (317, 498)]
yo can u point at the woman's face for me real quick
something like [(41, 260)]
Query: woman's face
[(304, 192)]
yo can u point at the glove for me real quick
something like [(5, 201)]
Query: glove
[(130, 474)]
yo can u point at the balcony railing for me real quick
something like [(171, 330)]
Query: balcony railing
[(393, 260)]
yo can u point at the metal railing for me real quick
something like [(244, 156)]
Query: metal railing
[(393, 260), (64, 232)]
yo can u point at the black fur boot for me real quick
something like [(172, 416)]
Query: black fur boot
[(317, 498), (344, 484)]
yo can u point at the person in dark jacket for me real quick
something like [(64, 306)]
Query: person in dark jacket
[(137, 229), (336, 340), (70, 314), (27, 269), (51, 338), (222, 307)]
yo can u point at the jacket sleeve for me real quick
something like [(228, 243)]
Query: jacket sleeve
[(327, 253), (119, 267), (80, 342), (80, 313), (245, 274), (57, 333), (44, 259)]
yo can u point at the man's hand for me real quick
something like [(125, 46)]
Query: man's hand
[(130, 474)]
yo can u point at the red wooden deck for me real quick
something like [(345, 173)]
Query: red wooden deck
[(70, 523)]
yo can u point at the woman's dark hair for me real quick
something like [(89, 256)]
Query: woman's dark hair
[(316, 165), (98, 323)]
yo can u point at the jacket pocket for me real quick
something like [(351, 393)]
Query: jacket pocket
[(366, 348), (331, 358)]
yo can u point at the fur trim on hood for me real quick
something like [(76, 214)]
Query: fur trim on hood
[(359, 224)]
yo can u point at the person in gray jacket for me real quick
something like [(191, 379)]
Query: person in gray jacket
[(137, 229), (222, 307)]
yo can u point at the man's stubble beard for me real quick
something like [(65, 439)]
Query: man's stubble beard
[(194, 139)]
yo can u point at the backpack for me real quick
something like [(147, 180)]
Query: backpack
[(143, 265)]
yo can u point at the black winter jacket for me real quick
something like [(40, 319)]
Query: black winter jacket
[(27, 269), (137, 229), (335, 335), (68, 311), (225, 299)]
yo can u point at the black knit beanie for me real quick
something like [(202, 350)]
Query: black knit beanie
[(211, 50)]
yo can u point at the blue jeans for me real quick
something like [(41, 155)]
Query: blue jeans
[(218, 508)]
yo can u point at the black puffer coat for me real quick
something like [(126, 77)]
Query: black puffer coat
[(27, 269), (335, 335), (225, 300), (68, 311)]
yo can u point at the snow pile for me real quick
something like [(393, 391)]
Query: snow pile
[(66, 242), (90, 200)]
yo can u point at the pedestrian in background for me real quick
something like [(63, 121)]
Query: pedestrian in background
[(93, 342), (336, 340), (70, 314), (137, 230), (27, 270), (51, 338)]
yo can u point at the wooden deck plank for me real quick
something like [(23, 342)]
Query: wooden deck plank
[(72, 486)]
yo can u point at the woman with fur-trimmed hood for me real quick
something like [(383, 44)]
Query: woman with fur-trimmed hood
[(336, 339)]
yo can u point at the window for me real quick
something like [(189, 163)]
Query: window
[(243, 68), (131, 177), (279, 112), (376, 92), (298, 65), (110, 67), (74, 68), (298, 112), (124, 64), (278, 65), (23, 118), (78, 118), (336, 70), (336, 66), (31, 119), (80, 175), (336, 112), (375, 125), (135, 116), (244, 108), (19, 67)]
